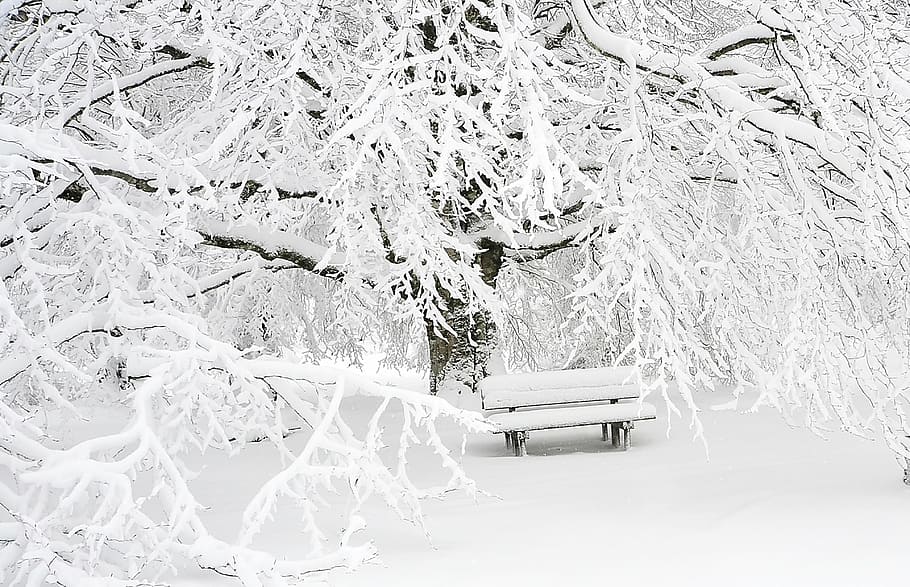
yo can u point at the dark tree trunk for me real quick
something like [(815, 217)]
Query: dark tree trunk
[(461, 355), (463, 352)]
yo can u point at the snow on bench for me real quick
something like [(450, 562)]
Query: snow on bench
[(572, 416), (558, 387), (558, 399)]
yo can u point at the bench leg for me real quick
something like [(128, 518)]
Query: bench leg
[(604, 432), (508, 436), (614, 430), (521, 449), (626, 435)]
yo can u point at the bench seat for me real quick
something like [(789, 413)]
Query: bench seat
[(565, 417)]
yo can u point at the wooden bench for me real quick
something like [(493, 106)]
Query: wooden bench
[(516, 404)]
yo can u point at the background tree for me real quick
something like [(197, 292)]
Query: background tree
[(703, 189)]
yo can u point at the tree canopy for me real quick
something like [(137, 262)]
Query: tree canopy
[(201, 199)]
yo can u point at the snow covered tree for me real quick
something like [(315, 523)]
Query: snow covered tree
[(706, 189)]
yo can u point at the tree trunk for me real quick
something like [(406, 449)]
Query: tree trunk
[(462, 353)]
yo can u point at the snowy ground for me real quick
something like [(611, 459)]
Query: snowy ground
[(774, 505)]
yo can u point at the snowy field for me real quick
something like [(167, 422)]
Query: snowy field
[(774, 505)]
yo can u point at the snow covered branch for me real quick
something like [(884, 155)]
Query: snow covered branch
[(723, 91), (272, 245), (128, 82), (750, 34)]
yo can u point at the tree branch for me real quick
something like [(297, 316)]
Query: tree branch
[(723, 93), (132, 80), (273, 245), (751, 34), (251, 186)]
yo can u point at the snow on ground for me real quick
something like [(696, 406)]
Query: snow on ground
[(774, 505)]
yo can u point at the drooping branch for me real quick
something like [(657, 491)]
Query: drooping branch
[(719, 90), (45, 147), (107, 461)]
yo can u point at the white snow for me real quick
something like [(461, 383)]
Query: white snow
[(739, 36), (720, 90), (128, 81), (495, 400), (559, 379), (774, 505), (273, 241), (570, 385), (572, 416)]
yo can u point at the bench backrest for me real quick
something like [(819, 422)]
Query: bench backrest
[(543, 388)]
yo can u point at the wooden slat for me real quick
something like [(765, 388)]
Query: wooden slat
[(568, 417), (497, 400)]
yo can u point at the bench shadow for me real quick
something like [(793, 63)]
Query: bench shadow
[(560, 441)]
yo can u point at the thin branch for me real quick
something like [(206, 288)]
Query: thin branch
[(133, 80)]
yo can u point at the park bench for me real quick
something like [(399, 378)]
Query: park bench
[(519, 403)]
